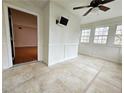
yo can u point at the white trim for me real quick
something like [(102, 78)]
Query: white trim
[(5, 8), (38, 37), (61, 61), (10, 63), (20, 9)]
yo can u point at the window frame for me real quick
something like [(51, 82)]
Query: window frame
[(85, 36), (118, 45), (102, 35)]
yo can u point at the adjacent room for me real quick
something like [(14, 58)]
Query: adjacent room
[(62, 46), (23, 36)]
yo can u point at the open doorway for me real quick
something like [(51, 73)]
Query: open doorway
[(23, 34)]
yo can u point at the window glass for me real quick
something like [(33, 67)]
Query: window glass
[(101, 35), (118, 35), (85, 36)]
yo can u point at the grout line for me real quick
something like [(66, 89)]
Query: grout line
[(11, 89), (110, 83), (64, 86), (93, 80)]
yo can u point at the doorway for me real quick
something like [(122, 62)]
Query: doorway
[(23, 36)]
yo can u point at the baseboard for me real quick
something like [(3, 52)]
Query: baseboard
[(101, 58), (61, 61)]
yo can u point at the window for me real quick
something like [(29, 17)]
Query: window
[(118, 35), (101, 35), (85, 36)]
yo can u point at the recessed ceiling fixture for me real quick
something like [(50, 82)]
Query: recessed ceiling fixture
[(95, 4)]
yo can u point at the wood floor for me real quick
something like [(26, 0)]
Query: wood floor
[(25, 54), (80, 75)]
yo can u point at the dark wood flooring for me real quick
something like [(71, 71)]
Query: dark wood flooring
[(25, 54)]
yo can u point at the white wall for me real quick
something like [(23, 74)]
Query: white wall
[(109, 51), (55, 43), (46, 32), (6, 57), (63, 41)]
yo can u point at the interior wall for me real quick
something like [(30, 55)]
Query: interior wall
[(24, 29), (24, 19), (63, 40), (108, 51), (25, 37), (46, 11), (6, 57)]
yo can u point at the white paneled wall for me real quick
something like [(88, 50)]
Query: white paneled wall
[(63, 40), (108, 51), (56, 53), (61, 52), (71, 50)]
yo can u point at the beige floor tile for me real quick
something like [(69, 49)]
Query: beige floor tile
[(99, 86), (9, 82), (74, 84), (71, 76), (90, 62), (30, 86), (112, 74)]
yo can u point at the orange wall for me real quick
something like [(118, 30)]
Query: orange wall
[(27, 35)]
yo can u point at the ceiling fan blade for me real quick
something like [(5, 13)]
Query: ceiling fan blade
[(81, 7), (88, 12), (103, 8), (105, 1)]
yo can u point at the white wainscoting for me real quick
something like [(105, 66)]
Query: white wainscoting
[(105, 52), (61, 52)]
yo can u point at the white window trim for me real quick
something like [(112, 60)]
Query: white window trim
[(86, 36), (101, 35), (117, 45)]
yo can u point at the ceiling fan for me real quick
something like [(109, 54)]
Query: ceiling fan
[(94, 4)]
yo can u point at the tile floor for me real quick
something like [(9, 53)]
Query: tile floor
[(80, 75)]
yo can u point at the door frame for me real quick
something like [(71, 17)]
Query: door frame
[(5, 10)]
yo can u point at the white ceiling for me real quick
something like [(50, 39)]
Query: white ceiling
[(35, 3), (38, 3), (115, 11)]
